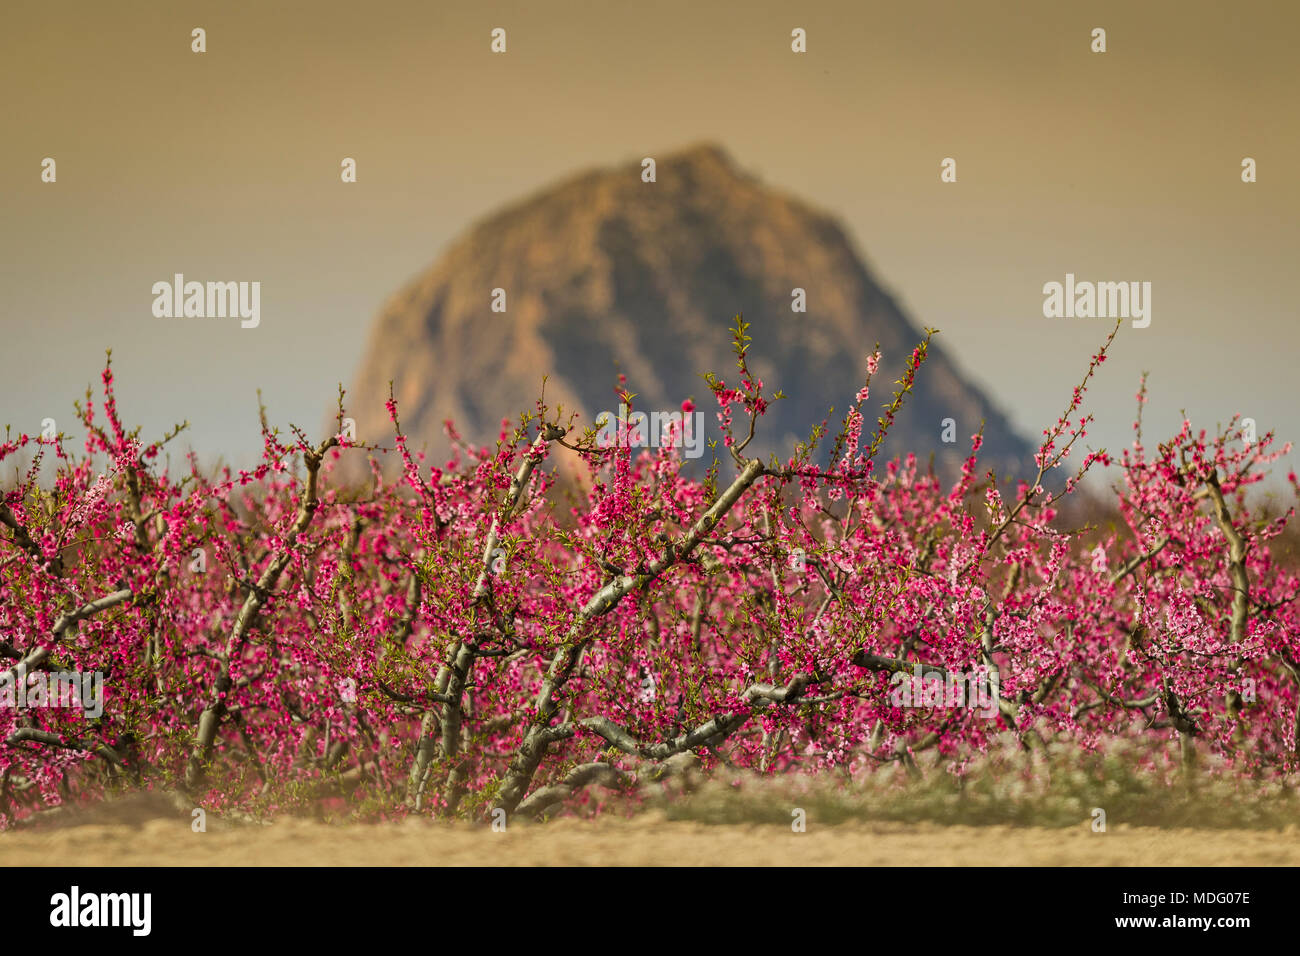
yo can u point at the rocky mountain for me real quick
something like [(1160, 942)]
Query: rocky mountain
[(605, 273)]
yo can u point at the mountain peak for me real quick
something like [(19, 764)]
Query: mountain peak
[(606, 274), (702, 154)]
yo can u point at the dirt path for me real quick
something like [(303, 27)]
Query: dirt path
[(648, 840)]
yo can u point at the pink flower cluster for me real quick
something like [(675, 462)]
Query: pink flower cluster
[(462, 640)]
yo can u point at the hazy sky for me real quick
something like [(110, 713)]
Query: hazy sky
[(1122, 166)]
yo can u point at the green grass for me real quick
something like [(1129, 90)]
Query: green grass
[(1138, 785)]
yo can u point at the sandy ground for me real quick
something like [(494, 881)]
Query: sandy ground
[(647, 840)]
